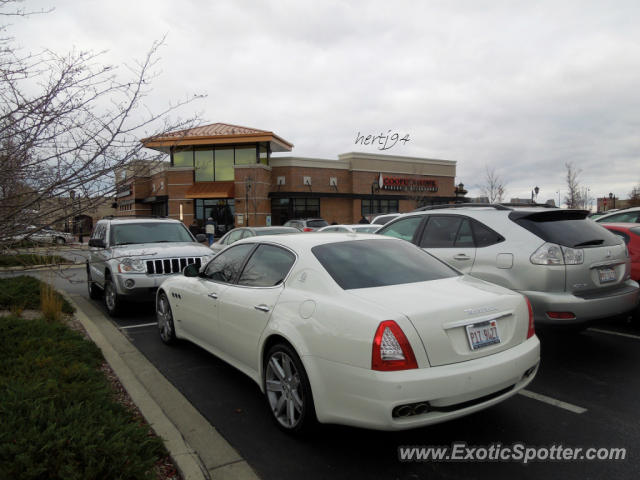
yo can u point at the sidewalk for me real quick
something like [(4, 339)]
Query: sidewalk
[(196, 447)]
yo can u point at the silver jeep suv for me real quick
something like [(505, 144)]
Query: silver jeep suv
[(571, 269), (129, 257)]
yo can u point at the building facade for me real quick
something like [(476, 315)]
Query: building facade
[(228, 173)]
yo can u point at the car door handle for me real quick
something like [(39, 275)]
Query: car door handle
[(213, 295), (461, 256), (262, 308)]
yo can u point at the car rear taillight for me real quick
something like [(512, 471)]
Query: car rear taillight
[(391, 349), (552, 254), (532, 329), (307, 229), (562, 315)]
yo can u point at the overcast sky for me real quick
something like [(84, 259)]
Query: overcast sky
[(521, 87)]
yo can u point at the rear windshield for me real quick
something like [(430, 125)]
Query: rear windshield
[(377, 263), (277, 231), (317, 223), (149, 232), (570, 228)]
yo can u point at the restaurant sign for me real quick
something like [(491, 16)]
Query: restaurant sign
[(407, 184)]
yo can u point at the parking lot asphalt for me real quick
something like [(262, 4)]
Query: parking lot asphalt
[(585, 395)]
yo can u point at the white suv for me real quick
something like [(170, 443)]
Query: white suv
[(572, 270), (129, 257)]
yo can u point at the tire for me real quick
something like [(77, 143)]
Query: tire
[(94, 291), (165, 320), (288, 391), (112, 300), (60, 241)]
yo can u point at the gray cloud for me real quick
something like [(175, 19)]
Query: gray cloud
[(520, 86)]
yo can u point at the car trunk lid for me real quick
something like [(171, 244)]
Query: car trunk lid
[(450, 315)]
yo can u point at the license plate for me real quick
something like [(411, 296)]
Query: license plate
[(483, 334), (607, 275)]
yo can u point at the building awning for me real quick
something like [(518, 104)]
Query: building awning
[(211, 190), (156, 199)]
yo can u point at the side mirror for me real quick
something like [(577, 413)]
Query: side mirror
[(191, 270), (201, 237), (97, 242)]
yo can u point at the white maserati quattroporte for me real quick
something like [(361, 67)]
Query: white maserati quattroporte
[(359, 330)]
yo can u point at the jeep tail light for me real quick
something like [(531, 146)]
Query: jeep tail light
[(532, 329), (307, 229), (391, 349)]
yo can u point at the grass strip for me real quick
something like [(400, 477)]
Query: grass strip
[(23, 292), (58, 415), (30, 259)]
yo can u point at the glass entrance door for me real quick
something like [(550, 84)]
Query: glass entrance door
[(221, 210)]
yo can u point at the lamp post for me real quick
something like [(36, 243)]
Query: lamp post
[(612, 198), (534, 194), (459, 192), (374, 187)]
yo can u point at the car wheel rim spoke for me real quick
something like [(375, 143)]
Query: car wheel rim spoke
[(274, 386), (277, 369), (291, 413), (297, 401)]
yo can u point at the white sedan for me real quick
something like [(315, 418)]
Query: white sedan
[(368, 331)]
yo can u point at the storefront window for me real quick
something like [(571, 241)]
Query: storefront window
[(183, 158), (379, 206), (245, 155), (283, 209), (204, 165), (224, 164)]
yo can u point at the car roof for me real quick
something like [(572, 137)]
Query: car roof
[(296, 241), (140, 220)]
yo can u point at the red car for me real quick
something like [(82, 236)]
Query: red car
[(630, 232)]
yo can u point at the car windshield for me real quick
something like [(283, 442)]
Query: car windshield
[(148, 232), (378, 263), (317, 223), (277, 231)]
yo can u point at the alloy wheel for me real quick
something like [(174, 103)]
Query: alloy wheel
[(165, 320), (284, 390)]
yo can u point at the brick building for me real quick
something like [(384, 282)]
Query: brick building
[(228, 172)]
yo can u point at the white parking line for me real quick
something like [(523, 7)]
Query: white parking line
[(552, 401), (609, 332), (138, 326)]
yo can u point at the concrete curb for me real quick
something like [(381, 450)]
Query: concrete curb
[(195, 446)]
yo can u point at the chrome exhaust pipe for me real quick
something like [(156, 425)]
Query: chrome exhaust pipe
[(420, 408)]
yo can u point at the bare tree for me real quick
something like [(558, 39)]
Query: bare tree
[(493, 188), (573, 199), (634, 196), (66, 123)]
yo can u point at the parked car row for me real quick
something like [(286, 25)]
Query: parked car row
[(430, 318)]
